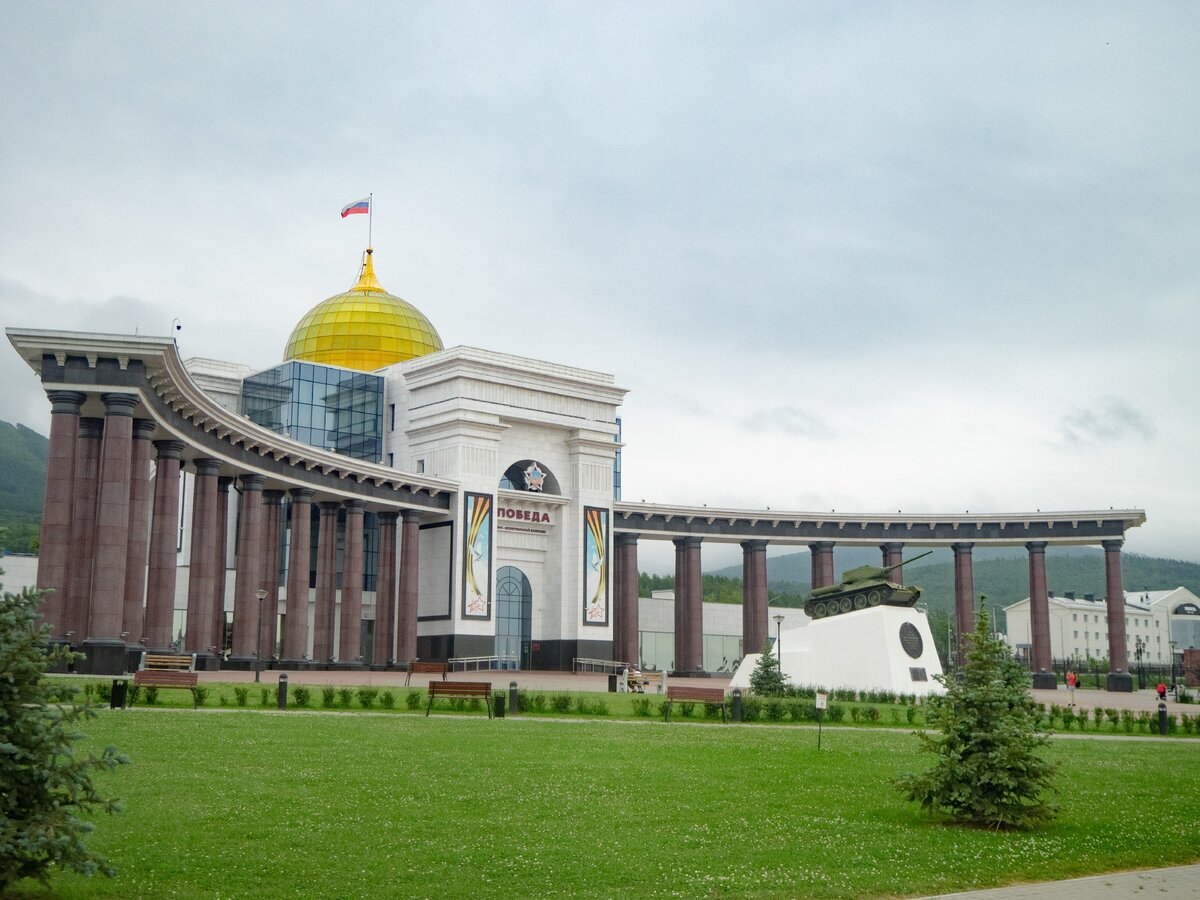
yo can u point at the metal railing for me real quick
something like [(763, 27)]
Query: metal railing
[(608, 666), (480, 663)]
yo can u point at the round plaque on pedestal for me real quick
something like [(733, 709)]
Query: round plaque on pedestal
[(910, 640)]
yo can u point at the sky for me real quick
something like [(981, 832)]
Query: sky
[(859, 257)]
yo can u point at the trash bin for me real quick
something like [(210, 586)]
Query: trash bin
[(498, 701), (612, 684), (281, 694), (119, 688)]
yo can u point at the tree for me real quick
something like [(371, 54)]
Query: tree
[(988, 769), (45, 787), (767, 680)]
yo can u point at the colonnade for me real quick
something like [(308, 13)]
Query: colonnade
[(689, 626), (110, 538)]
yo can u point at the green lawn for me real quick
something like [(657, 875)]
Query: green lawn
[(247, 804)]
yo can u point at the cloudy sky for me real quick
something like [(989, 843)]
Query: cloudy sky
[(864, 257)]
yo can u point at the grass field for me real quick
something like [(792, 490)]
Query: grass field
[(253, 804)]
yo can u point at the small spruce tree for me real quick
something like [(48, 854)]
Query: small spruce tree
[(767, 680), (988, 770), (45, 787)]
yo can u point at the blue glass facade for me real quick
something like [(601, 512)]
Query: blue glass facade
[(323, 406)]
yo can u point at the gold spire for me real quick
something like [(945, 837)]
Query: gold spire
[(367, 280)]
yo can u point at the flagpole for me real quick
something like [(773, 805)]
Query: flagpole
[(370, 216)]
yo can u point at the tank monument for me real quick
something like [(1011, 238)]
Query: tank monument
[(864, 632)]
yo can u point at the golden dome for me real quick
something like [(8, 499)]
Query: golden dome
[(365, 328)]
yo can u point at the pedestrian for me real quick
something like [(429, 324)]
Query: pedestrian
[(1162, 691), (1072, 681)]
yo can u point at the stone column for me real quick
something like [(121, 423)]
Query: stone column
[(105, 644), (695, 585), (272, 533), (682, 610), (202, 579), (83, 529), (822, 564), (893, 555), (295, 626), (964, 595), (248, 580), (384, 646), (54, 557), (326, 582), (1039, 618), (164, 530), (350, 635), (1119, 678), (221, 562), (410, 570), (755, 624), (133, 616), (625, 626)]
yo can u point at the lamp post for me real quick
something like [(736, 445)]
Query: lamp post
[(1172, 645), (1139, 650), (778, 645), (261, 595)]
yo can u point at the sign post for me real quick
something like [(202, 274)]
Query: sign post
[(820, 716)]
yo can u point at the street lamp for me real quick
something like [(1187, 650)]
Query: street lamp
[(1139, 650), (778, 646), (1172, 645), (261, 595)]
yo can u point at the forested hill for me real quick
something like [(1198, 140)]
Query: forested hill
[(22, 485)]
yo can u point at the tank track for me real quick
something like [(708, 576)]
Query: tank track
[(849, 601)]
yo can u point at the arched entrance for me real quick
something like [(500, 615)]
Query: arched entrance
[(514, 615)]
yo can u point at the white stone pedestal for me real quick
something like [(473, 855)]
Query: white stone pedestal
[(882, 648)]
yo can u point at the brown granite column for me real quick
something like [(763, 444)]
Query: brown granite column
[(625, 619), (755, 626), (350, 632), (83, 529), (221, 564), (326, 582), (1039, 618), (248, 580), (164, 541), (964, 595), (133, 616), (410, 571), (383, 648), (105, 644), (272, 534), (1119, 679), (822, 563), (202, 579), (695, 583), (295, 625), (54, 556), (682, 610), (893, 555)]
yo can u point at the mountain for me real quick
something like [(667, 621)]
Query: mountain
[(23, 455)]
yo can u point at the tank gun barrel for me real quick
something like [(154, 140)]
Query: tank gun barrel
[(905, 562)]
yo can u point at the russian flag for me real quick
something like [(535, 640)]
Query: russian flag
[(357, 207)]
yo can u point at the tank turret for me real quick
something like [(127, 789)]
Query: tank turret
[(861, 588)]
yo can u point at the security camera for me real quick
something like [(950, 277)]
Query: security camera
[(178, 327)]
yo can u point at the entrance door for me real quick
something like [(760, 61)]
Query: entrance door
[(514, 615)]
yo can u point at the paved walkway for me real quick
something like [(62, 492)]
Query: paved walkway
[(1176, 882)]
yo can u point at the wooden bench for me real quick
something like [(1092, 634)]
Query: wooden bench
[(161, 670), (683, 694), (637, 684), (481, 690), (426, 668)]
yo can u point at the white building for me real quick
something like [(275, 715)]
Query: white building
[(1079, 624)]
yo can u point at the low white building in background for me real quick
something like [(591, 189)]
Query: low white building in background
[(1079, 624)]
